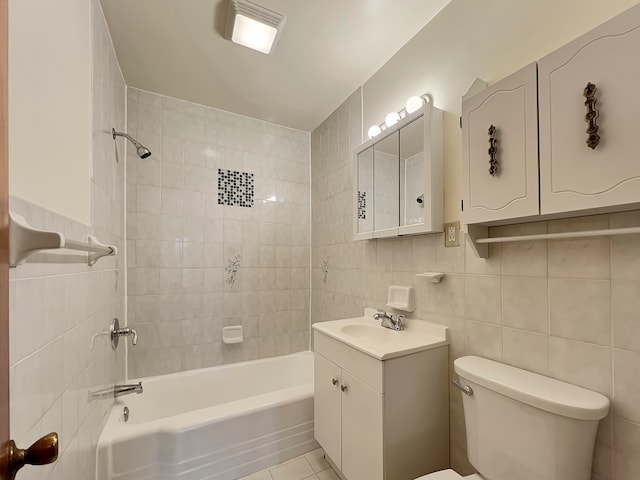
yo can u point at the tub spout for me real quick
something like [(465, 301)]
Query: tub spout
[(119, 390)]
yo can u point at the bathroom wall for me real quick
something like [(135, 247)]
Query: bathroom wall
[(566, 308), (50, 104), (59, 305), (183, 244)]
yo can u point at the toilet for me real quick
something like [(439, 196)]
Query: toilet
[(525, 426)]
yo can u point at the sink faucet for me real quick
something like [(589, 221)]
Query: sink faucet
[(389, 321), (119, 390)]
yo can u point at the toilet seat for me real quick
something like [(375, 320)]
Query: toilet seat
[(442, 475), (449, 475)]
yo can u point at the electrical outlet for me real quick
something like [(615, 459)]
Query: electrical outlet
[(452, 234)]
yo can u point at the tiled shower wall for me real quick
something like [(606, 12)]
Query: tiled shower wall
[(183, 245), (565, 308), (59, 305)]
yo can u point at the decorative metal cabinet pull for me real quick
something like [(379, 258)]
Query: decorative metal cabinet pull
[(343, 388), (593, 139), (334, 381), (493, 161)]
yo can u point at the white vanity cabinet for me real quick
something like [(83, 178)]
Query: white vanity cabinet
[(500, 150), (573, 175), (381, 419)]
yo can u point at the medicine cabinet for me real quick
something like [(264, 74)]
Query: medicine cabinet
[(397, 176)]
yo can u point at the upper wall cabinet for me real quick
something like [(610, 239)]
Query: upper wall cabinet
[(590, 119), (500, 149), (398, 178), (588, 114)]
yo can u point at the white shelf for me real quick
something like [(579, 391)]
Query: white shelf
[(434, 277)]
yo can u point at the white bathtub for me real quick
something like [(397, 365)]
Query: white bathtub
[(216, 423)]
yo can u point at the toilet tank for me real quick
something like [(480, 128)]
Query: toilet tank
[(525, 426)]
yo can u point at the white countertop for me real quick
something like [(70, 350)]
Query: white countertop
[(365, 334)]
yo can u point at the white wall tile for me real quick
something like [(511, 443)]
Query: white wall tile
[(626, 459), (582, 364), (626, 382), (580, 310), (525, 303), (526, 350), (626, 314)]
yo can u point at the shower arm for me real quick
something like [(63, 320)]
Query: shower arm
[(127, 136)]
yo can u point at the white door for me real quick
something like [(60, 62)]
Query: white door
[(575, 176), (510, 189)]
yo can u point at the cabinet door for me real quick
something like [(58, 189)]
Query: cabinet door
[(362, 453), (575, 176), (364, 196), (511, 107), (386, 186), (327, 407)]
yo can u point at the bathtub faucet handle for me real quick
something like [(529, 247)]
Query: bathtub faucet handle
[(117, 332)]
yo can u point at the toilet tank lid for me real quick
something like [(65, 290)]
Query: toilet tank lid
[(542, 392)]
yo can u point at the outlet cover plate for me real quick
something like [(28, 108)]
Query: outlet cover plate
[(452, 234)]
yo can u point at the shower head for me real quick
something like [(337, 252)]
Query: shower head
[(141, 150)]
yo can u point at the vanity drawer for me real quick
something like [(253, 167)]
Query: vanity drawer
[(357, 363)]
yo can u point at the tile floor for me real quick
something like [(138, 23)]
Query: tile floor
[(310, 466)]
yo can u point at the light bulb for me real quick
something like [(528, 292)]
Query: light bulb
[(374, 131), (414, 104), (391, 119)]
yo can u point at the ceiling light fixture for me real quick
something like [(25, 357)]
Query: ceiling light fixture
[(254, 26)]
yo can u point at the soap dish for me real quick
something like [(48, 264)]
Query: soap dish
[(401, 298), (232, 334), (434, 277)]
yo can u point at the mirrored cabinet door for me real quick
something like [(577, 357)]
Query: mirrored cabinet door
[(397, 178), (364, 198), (412, 173), (386, 186)]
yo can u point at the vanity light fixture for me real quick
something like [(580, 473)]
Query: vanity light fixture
[(374, 131), (414, 104), (391, 119), (254, 26)]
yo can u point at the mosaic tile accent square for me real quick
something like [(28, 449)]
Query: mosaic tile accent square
[(362, 205), (235, 188)]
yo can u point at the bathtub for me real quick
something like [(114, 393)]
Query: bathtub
[(216, 423)]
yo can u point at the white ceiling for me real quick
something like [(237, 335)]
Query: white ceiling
[(327, 49)]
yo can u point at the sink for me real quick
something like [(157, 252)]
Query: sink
[(365, 334), (370, 333)]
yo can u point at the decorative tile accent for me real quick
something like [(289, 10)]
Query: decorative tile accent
[(362, 205), (232, 269), (235, 188), (325, 269)]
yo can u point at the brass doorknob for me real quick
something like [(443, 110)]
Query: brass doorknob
[(42, 452)]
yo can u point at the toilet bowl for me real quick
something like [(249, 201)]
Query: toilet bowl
[(525, 426)]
